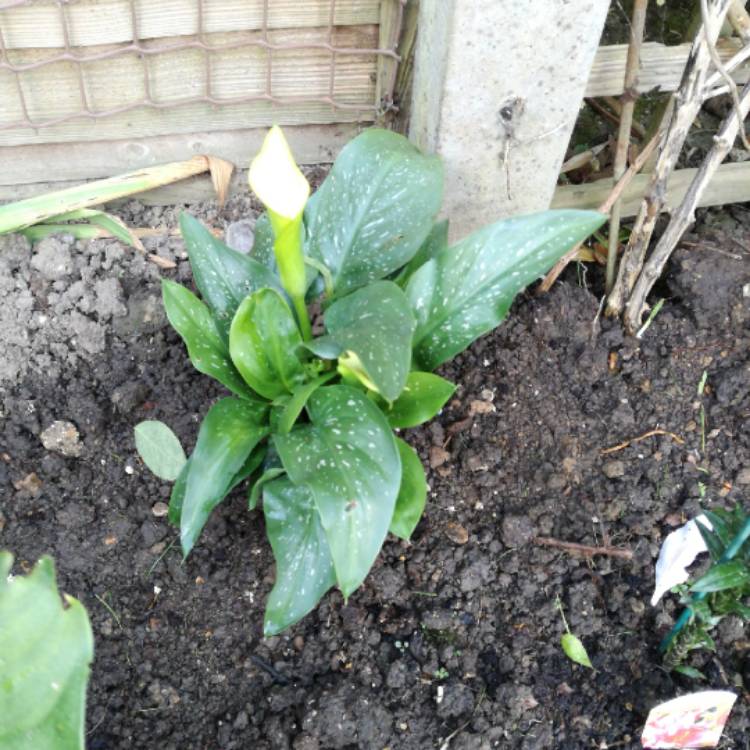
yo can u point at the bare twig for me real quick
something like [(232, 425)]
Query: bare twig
[(637, 129), (585, 549), (650, 433), (724, 74), (689, 99), (684, 216), (629, 99), (604, 208), (581, 160)]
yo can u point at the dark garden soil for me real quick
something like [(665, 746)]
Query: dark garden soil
[(453, 641)]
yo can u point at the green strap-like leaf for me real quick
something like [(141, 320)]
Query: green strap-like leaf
[(304, 569), (263, 339), (722, 576), (466, 290), (293, 408), (376, 325), (267, 476), (160, 449), (412, 494), (229, 433), (423, 397), (206, 349), (45, 653), (223, 276), (374, 210), (348, 459)]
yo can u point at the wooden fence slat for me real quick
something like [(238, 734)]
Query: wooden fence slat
[(661, 67), (95, 22), (52, 91), (27, 165), (731, 184)]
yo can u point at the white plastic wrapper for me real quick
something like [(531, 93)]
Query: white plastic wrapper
[(678, 551)]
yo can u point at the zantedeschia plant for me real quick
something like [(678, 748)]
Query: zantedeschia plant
[(310, 424)]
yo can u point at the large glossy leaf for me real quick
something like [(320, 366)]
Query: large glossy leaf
[(374, 210), (223, 276), (412, 494), (45, 653), (262, 249), (423, 397), (226, 439), (160, 449), (348, 459), (436, 241), (466, 290), (376, 325), (207, 350), (263, 341), (304, 568)]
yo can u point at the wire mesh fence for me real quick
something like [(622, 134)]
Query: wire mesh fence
[(62, 60)]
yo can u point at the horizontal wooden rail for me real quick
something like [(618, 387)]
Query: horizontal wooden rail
[(661, 67), (731, 184)]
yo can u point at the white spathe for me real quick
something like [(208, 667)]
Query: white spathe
[(678, 551)]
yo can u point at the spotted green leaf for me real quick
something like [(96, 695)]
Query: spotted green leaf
[(223, 276), (376, 325), (436, 240), (347, 458), (160, 449), (466, 290), (575, 650), (411, 495), (45, 654), (423, 397), (293, 408), (263, 340), (226, 439), (374, 210), (207, 350), (304, 568)]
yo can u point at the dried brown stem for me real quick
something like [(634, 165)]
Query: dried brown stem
[(604, 208), (684, 216), (629, 98), (689, 99), (650, 433), (585, 549)]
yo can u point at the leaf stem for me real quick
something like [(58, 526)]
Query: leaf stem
[(324, 272), (558, 604), (304, 319)]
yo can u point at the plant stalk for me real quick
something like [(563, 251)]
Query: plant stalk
[(629, 98)]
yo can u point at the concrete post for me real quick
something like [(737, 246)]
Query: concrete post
[(497, 88)]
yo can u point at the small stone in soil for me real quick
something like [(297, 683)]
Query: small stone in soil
[(30, 483), (743, 477), (160, 509), (438, 456), (481, 407), (517, 531), (456, 533), (62, 437), (240, 235), (614, 469)]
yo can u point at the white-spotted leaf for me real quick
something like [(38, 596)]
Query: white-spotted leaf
[(411, 495), (347, 458), (374, 210), (207, 350), (466, 290), (223, 276), (376, 325), (575, 650), (304, 568), (45, 655), (160, 449)]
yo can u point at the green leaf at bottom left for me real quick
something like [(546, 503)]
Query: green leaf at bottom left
[(45, 653), (304, 568)]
